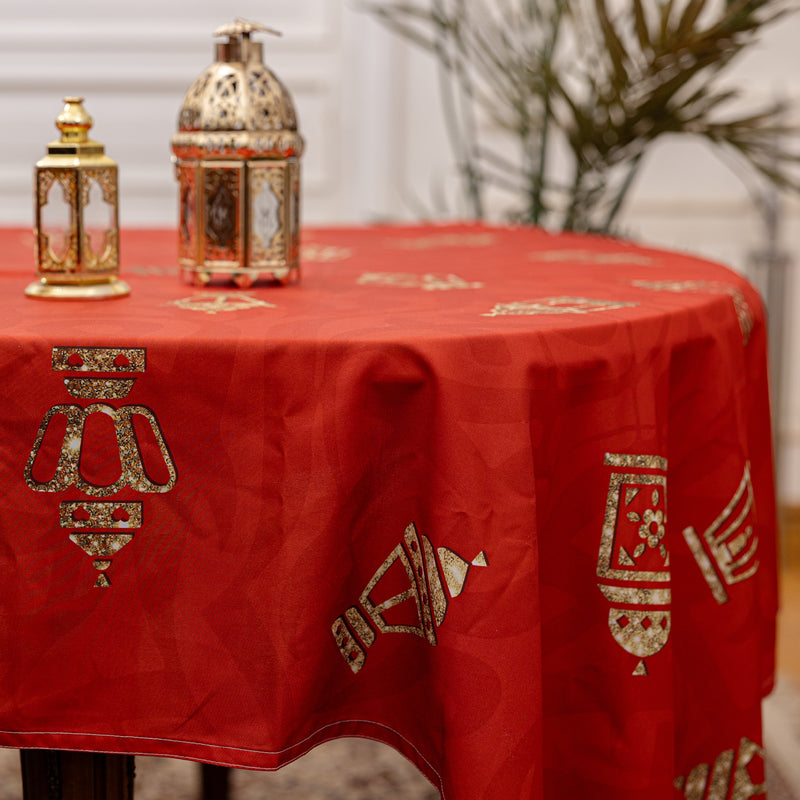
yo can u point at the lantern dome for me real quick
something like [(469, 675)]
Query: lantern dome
[(237, 97), (238, 107)]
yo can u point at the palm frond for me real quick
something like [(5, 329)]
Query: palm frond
[(606, 79)]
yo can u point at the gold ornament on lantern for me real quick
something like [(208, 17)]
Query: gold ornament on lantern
[(237, 155), (77, 228)]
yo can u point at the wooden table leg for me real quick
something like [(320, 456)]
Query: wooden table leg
[(64, 775), (215, 782)]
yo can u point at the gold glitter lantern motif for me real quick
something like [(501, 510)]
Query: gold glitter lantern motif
[(405, 595), (237, 162), (77, 229), (100, 522), (633, 560)]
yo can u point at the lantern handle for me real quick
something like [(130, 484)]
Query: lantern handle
[(244, 27)]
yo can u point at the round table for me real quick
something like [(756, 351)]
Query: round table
[(499, 498)]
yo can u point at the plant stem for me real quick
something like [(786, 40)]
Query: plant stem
[(538, 180), (623, 191), (572, 210), (468, 124), (447, 69)]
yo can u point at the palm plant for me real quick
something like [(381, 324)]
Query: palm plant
[(598, 79)]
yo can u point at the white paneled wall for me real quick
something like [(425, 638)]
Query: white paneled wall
[(133, 64), (369, 110)]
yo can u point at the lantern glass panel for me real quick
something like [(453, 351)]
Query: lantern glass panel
[(222, 193), (187, 238), (188, 203), (294, 206), (98, 218), (266, 219), (56, 222), (222, 216)]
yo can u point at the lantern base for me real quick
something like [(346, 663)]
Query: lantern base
[(242, 277), (78, 291)]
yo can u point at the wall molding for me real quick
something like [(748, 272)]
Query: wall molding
[(61, 34), (128, 77)]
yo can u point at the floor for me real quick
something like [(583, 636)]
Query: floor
[(353, 769), (782, 708), (789, 624)]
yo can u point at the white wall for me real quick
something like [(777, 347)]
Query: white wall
[(369, 110), (133, 63)]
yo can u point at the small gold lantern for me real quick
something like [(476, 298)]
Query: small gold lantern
[(77, 223), (237, 154)]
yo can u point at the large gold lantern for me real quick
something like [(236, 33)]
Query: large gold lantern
[(77, 227), (237, 156)]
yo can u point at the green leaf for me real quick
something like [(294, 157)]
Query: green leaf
[(641, 27), (633, 71), (689, 17), (616, 50), (666, 13)]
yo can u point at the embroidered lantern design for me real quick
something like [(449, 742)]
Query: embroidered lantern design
[(730, 776), (237, 155), (60, 459), (405, 595), (729, 542), (77, 230), (633, 562)]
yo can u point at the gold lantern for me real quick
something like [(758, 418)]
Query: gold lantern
[(237, 156), (77, 228)]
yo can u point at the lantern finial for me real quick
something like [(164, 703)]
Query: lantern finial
[(73, 121)]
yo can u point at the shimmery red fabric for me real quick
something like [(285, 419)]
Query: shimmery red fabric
[(477, 382)]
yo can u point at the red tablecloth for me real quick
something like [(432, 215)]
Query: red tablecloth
[(501, 499)]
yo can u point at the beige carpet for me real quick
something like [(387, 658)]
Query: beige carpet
[(358, 769), (347, 769), (782, 740)]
